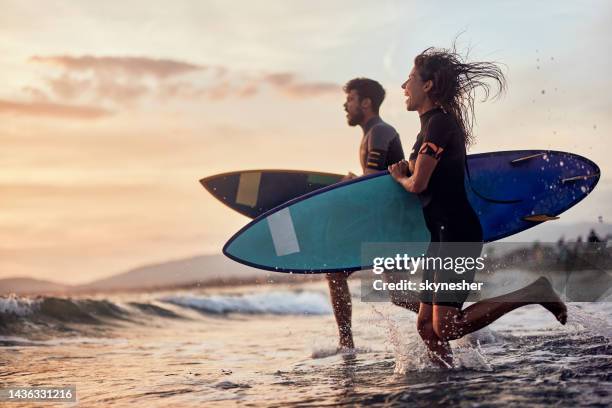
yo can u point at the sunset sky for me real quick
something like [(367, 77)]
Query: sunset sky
[(110, 112)]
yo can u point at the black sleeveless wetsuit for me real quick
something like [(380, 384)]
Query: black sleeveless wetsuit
[(454, 226)]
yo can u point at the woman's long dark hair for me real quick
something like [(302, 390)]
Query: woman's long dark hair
[(455, 81)]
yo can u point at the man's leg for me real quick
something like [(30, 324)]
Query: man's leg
[(341, 303)]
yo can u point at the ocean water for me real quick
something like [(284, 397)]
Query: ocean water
[(275, 345)]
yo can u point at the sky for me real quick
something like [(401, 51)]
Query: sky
[(110, 112)]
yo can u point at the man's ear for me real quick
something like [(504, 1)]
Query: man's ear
[(366, 103), (427, 86)]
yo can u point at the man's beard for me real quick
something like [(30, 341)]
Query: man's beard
[(354, 120)]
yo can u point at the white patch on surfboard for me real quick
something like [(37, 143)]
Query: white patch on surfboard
[(283, 233), (248, 189)]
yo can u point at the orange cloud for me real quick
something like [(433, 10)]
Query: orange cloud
[(288, 84), (123, 80), (130, 66), (52, 109), (308, 89)]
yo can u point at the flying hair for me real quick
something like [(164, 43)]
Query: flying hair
[(455, 81)]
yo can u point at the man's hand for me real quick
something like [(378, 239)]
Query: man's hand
[(399, 170), (349, 176)]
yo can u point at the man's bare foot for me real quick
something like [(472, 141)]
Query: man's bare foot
[(346, 343), (550, 299)]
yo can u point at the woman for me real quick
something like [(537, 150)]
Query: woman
[(441, 88)]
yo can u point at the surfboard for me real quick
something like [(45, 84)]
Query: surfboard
[(254, 192), (323, 230)]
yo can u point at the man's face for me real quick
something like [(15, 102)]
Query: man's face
[(414, 91), (352, 106)]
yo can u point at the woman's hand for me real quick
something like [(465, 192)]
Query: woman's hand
[(399, 170)]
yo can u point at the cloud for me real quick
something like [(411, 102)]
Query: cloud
[(288, 84), (52, 109), (134, 67), (123, 81), (310, 89)]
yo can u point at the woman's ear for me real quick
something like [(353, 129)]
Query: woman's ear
[(427, 86)]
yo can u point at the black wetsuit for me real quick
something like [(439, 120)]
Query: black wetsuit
[(448, 213), (380, 146)]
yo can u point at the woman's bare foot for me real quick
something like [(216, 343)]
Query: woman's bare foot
[(549, 299)]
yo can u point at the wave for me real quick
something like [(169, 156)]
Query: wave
[(47, 317), (276, 303), (44, 317)]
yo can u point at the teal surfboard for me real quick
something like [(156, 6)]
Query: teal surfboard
[(324, 230)]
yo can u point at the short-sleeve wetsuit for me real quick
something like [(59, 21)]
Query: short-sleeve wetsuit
[(448, 213), (380, 146)]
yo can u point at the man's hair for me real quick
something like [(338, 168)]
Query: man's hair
[(367, 88), (455, 81)]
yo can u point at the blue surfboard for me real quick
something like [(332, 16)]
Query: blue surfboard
[(323, 231)]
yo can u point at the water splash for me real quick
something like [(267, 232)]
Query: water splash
[(409, 351), (591, 321)]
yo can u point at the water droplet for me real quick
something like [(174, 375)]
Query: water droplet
[(583, 189), (595, 127), (543, 91), (561, 164), (538, 67)]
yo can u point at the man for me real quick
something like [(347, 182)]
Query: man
[(380, 147)]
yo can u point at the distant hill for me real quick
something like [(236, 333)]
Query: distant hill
[(31, 286), (204, 270)]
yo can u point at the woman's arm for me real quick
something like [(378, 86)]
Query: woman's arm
[(418, 181)]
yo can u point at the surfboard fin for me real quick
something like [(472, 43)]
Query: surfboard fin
[(540, 217)]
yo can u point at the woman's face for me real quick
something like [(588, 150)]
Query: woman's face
[(414, 90)]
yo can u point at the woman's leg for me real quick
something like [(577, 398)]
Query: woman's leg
[(439, 350), (450, 323)]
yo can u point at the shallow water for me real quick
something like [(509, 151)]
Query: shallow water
[(275, 346)]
